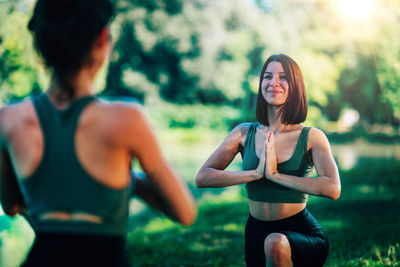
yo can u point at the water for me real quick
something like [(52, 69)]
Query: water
[(347, 155)]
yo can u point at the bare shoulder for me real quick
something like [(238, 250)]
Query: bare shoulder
[(120, 113), (317, 138), (118, 121), (239, 133), (243, 128), (15, 113)]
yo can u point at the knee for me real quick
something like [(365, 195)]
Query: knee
[(277, 249)]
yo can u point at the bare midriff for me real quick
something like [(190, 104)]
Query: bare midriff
[(266, 211)]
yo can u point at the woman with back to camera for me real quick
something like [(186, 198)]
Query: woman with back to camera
[(278, 154), (72, 153)]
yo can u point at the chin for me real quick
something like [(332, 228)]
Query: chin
[(275, 102)]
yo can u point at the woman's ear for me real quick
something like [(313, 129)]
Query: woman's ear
[(101, 49)]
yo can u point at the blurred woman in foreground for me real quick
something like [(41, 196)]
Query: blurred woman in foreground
[(70, 154)]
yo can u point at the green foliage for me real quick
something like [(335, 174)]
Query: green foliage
[(211, 52), (194, 52), (20, 72), (16, 238), (193, 116), (363, 75), (387, 53)]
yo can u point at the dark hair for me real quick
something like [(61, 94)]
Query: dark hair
[(64, 32), (294, 110)]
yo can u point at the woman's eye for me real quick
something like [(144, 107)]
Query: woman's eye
[(283, 77), (268, 77)]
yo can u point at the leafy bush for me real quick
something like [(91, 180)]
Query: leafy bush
[(167, 115)]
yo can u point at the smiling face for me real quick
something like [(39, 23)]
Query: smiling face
[(274, 85), (281, 85)]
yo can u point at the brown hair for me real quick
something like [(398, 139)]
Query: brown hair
[(64, 32), (294, 110)]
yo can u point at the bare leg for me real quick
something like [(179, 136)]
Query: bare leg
[(277, 251)]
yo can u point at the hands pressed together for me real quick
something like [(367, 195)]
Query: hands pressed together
[(268, 162)]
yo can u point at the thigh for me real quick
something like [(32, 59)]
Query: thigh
[(308, 249), (255, 235)]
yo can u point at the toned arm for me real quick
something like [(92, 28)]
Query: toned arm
[(137, 133), (327, 183), (10, 195), (213, 174)]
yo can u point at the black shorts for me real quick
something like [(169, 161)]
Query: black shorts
[(77, 250), (308, 241)]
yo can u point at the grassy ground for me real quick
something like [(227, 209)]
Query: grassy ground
[(363, 226)]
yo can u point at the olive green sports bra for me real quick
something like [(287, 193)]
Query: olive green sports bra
[(60, 183), (264, 190)]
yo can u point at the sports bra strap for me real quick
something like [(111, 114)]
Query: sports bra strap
[(248, 142)]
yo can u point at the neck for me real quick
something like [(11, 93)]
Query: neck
[(274, 118), (82, 84)]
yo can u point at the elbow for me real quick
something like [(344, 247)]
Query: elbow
[(189, 218), (334, 192), (200, 181), (12, 211)]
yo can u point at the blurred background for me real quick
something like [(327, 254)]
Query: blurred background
[(194, 65)]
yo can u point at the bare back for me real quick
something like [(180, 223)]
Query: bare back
[(100, 150)]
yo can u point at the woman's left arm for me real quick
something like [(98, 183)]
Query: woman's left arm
[(326, 184)]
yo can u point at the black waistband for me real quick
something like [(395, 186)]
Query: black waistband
[(302, 214), (81, 238)]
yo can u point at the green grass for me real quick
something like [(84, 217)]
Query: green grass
[(363, 225)]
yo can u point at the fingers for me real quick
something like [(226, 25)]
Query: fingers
[(270, 137), (270, 154), (270, 143)]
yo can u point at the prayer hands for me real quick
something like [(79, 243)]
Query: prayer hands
[(270, 155), (260, 171), (268, 162)]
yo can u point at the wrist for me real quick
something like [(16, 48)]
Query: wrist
[(274, 176), (255, 175)]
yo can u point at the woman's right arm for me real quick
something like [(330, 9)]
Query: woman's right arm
[(213, 174), (10, 194), (147, 191), (179, 203)]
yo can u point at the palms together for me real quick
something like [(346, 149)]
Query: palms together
[(268, 162)]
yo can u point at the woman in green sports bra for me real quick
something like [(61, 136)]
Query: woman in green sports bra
[(65, 156), (278, 155)]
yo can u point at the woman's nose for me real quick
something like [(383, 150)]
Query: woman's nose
[(275, 81)]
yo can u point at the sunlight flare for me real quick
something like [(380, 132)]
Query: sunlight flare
[(356, 9)]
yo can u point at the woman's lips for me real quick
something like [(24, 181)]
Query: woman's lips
[(275, 91)]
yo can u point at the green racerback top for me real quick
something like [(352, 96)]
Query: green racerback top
[(60, 183), (264, 190)]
